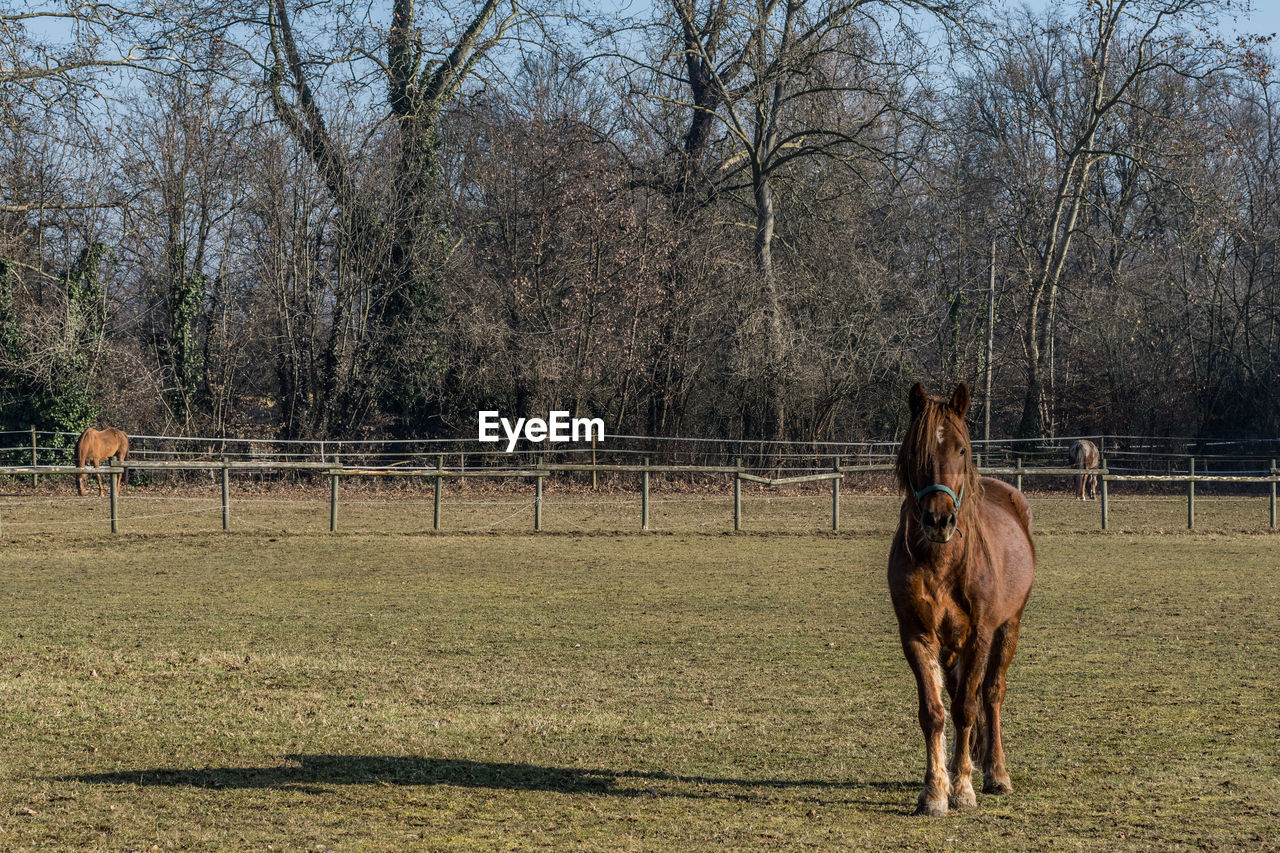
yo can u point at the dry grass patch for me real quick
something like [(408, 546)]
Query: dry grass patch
[(212, 691)]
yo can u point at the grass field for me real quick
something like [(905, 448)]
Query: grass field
[(281, 688)]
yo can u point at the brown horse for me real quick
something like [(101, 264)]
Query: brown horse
[(960, 571), (95, 446), (1084, 455)]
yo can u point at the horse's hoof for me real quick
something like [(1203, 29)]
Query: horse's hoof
[(931, 808), (998, 786), (964, 800)]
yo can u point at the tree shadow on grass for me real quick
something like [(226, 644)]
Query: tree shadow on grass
[(315, 773)]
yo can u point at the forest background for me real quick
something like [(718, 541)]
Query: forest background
[(755, 219)]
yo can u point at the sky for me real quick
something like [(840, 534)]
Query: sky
[(1264, 18)]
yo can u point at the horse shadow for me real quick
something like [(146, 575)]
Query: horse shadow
[(319, 774)]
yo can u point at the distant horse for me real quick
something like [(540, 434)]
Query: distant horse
[(95, 446), (960, 571), (1084, 455)]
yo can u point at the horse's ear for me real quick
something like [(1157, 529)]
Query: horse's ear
[(960, 399), (916, 399)]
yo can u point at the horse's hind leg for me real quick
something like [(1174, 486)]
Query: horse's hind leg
[(995, 778), (951, 674), (965, 711), (977, 734)]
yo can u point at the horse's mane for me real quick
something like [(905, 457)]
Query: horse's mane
[(918, 451)]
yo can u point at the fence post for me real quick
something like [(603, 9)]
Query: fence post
[(333, 500), (115, 496), (1018, 474), (226, 495), (35, 478), (644, 497), (1103, 477), (1191, 496), (537, 501), (835, 497), (435, 524), (737, 496), (1273, 494)]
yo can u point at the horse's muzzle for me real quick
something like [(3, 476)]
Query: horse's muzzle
[(938, 526)]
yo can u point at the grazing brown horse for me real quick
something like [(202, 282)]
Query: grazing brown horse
[(1084, 455), (95, 446), (960, 571)]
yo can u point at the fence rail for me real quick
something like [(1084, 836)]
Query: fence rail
[(740, 474), (1125, 454)]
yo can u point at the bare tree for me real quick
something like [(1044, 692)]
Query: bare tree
[(401, 242), (1048, 92), (770, 86)]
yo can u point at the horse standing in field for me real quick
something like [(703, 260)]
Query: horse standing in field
[(1084, 455), (96, 446), (960, 571)]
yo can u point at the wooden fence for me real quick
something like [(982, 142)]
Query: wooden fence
[(539, 472)]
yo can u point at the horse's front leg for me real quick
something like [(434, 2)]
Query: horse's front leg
[(965, 707), (923, 657)]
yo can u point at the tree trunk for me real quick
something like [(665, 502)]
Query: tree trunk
[(1029, 425), (776, 351)]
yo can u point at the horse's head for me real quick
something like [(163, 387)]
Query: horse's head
[(935, 463)]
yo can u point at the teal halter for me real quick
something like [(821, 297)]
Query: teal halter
[(946, 490)]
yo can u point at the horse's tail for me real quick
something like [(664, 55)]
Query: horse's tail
[(124, 455), (1084, 455), (82, 450)]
